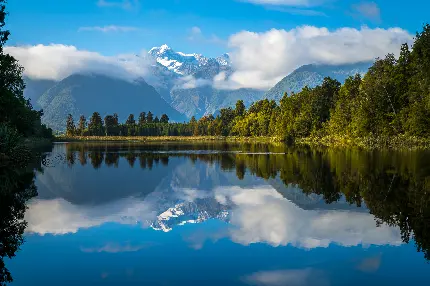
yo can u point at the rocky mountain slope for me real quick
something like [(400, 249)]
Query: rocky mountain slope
[(86, 93)]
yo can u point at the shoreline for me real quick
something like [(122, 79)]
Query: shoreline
[(400, 142), (148, 139)]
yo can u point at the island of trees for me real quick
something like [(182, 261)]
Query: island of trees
[(392, 100)]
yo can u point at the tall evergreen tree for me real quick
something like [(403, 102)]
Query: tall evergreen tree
[(111, 126), (142, 118), (164, 118), (96, 125), (82, 125), (70, 128), (240, 108), (150, 117), (130, 120)]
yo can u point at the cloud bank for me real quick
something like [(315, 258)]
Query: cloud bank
[(56, 62), (59, 217), (262, 215), (259, 60), (110, 28)]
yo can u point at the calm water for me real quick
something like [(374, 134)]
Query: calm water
[(178, 214)]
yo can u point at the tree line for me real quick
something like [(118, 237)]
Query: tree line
[(145, 125), (391, 99)]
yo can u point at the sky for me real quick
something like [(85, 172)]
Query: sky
[(279, 35)]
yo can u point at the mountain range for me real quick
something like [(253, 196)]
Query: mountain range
[(177, 84)]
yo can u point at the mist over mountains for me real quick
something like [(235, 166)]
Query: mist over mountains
[(178, 84)]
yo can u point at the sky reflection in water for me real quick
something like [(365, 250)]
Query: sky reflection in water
[(150, 216)]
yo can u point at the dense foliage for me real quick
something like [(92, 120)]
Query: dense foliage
[(392, 99), (146, 125), (18, 120), (15, 111)]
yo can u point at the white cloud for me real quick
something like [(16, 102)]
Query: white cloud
[(195, 32), (289, 277), (189, 82), (111, 28), (296, 11), (262, 59), (369, 10), (124, 4), (285, 2), (371, 264), (196, 35), (116, 248), (59, 61), (61, 217), (262, 215)]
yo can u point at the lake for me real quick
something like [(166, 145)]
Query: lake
[(225, 214)]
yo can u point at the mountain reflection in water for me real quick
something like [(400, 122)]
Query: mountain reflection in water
[(247, 193)]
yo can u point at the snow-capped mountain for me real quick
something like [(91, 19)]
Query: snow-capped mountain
[(190, 212), (185, 64), (184, 81)]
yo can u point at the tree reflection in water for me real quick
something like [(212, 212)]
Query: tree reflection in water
[(394, 186), (16, 188)]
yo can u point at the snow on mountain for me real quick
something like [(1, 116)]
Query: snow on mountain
[(178, 62), (190, 212), (224, 60)]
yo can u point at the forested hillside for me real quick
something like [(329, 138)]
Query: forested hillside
[(392, 99)]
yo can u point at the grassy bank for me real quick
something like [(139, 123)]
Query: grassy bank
[(370, 142), (395, 142), (144, 139)]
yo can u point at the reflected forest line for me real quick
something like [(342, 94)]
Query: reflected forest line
[(17, 187), (394, 186)]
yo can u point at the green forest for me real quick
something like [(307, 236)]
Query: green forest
[(18, 119), (391, 100)]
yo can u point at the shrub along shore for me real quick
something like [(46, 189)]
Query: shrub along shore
[(398, 142)]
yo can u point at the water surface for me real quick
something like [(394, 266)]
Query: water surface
[(226, 214)]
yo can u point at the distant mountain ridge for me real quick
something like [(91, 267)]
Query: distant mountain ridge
[(83, 94), (177, 84), (312, 75)]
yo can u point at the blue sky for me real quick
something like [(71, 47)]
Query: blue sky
[(147, 23)]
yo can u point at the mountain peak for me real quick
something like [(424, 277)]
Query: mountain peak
[(160, 50), (164, 48)]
